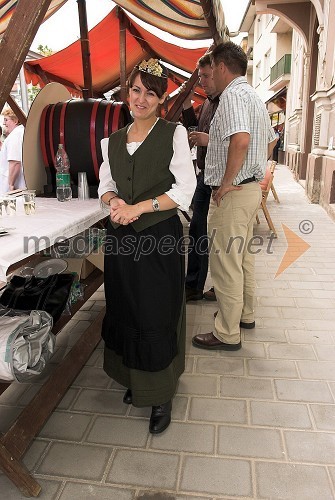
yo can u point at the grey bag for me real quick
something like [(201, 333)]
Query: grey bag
[(26, 344)]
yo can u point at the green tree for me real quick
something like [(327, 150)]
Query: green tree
[(33, 90), (44, 50)]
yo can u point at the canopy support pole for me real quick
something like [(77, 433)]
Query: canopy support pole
[(145, 46), (207, 7), (123, 55), (176, 109), (39, 71), (85, 50), (17, 39), (17, 110)]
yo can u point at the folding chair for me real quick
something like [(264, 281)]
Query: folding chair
[(272, 170), (266, 188)]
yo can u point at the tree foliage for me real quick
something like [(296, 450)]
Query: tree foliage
[(44, 50)]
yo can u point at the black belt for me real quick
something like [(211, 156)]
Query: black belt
[(245, 181)]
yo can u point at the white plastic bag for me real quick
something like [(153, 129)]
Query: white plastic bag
[(26, 344)]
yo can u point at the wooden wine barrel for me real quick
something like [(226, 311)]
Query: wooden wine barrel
[(79, 125)]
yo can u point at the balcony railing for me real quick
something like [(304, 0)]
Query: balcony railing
[(282, 67)]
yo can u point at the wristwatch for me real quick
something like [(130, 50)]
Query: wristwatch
[(155, 204)]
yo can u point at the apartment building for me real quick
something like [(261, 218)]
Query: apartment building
[(294, 72)]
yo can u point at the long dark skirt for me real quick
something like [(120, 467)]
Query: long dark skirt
[(144, 328)]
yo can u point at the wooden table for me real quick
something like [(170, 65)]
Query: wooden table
[(51, 221)]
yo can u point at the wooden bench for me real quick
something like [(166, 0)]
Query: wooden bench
[(18, 438)]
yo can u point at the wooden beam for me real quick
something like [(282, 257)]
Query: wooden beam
[(67, 83), (17, 110), (16, 41), (207, 7), (122, 54), (85, 50), (41, 74), (176, 78), (18, 473), (136, 34), (47, 77), (176, 109)]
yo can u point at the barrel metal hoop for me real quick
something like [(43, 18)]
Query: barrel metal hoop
[(42, 136), (116, 115), (92, 138), (62, 123), (106, 123), (51, 142)]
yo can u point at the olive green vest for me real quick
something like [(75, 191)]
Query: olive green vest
[(145, 174)]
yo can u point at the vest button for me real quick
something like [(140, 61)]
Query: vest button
[(130, 160), (128, 178)]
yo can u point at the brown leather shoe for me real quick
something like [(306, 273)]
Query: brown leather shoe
[(210, 294), (247, 326), (209, 341)]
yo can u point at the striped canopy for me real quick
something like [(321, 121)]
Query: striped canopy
[(182, 18), (104, 51), (7, 8)]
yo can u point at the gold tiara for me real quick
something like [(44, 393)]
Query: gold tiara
[(152, 66)]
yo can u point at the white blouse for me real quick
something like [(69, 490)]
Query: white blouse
[(181, 167)]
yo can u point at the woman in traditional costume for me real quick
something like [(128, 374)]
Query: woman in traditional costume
[(146, 174)]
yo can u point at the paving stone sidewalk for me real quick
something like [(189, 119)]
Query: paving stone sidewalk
[(256, 423)]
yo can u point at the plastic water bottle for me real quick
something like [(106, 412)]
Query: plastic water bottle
[(63, 179)]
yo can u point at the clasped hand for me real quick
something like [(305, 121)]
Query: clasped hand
[(124, 214)]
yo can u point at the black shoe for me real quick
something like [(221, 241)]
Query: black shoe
[(193, 294), (210, 294), (247, 326), (128, 397), (160, 418)]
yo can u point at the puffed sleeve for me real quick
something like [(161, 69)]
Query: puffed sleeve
[(105, 177), (181, 167)]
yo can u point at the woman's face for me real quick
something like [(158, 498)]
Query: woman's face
[(9, 124), (143, 102)]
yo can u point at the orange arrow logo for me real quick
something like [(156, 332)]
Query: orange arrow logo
[(296, 247)]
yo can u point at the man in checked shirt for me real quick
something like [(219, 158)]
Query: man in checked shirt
[(240, 141)]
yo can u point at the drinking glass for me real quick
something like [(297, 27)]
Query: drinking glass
[(194, 149), (83, 191), (29, 202), (9, 203)]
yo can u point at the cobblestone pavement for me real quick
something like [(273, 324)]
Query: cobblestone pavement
[(255, 423)]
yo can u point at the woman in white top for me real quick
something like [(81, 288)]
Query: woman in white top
[(146, 174), (11, 168)]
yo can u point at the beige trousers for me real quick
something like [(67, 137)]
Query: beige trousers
[(231, 259)]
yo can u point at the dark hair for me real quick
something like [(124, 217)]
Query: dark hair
[(204, 60), (151, 82), (232, 56), (0, 130)]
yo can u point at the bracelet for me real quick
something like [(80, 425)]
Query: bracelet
[(111, 198), (155, 204)]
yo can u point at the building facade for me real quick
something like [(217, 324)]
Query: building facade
[(298, 35)]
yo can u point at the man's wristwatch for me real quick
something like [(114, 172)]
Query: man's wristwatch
[(155, 204)]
